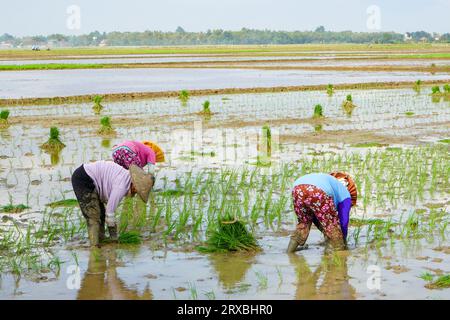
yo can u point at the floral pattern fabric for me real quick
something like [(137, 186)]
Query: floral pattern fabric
[(125, 158), (313, 205)]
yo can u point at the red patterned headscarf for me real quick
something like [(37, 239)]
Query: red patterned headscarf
[(350, 184)]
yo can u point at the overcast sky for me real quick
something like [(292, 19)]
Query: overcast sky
[(24, 17)]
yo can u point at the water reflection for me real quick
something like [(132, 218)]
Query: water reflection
[(329, 280), (231, 268), (102, 282)]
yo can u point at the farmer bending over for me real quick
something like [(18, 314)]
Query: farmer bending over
[(145, 153), (325, 200), (105, 182)]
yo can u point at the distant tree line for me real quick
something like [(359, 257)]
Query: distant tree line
[(212, 37)]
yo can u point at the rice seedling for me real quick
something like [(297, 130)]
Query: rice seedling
[(348, 105), (130, 237), (193, 291), (417, 86), (183, 96), (262, 280), (229, 235), (106, 127), (206, 110), (97, 104), (210, 295), (330, 90), (63, 203), (4, 115), (10, 208), (441, 282), (435, 90), (265, 147), (318, 111), (53, 144)]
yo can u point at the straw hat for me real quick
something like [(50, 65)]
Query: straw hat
[(142, 182), (347, 180), (157, 149)]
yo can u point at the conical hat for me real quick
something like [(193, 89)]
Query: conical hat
[(142, 182), (351, 186), (157, 149)]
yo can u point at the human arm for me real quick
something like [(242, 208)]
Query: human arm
[(117, 194), (344, 215)]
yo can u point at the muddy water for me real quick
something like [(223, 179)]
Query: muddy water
[(159, 59), (27, 175), (53, 83), (121, 272)]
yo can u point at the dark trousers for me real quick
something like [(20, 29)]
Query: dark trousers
[(88, 199)]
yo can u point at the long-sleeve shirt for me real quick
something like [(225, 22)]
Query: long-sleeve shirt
[(146, 154), (335, 189), (112, 182)]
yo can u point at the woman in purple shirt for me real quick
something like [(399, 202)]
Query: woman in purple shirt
[(325, 200), (105, 182)]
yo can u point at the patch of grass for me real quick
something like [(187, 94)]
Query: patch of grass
[(368, 145), (409, 113), (230, 235), (63, 203), (442, 282), (130, 237), (11, 208), (53, 144), (51, 66), (444, 140)]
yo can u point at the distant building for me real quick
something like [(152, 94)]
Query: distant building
[(407, 36), (6, 45), (103, 43)]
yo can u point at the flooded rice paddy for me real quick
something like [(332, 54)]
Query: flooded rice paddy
[(57, 83), (395, 143)]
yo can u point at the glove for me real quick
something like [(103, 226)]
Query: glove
[(110, 221)]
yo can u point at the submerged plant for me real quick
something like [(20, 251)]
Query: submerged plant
[(4, 115), (318, 111), (53, 144), (97, 104), (330, 90), (230, 235), (106, 127)]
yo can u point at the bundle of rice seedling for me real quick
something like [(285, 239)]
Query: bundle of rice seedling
[(97, 104), (106, 127), (53, 144), (4, 114), (230, 235), (130, 237), (348, 105)]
